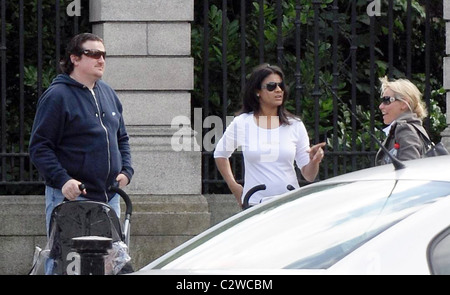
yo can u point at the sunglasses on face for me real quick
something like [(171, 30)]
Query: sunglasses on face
[(387, 100), (94, 53), (271, 86)]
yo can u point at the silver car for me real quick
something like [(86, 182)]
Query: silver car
[(373, 221)]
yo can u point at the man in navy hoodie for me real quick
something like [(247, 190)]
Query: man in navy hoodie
[(79, 135)]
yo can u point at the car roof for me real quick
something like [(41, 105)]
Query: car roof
[(434, 168), (427, 169)]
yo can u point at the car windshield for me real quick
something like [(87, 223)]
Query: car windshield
[(312, 228)]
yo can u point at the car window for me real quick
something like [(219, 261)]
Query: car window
[(311, 228), (439, 254)]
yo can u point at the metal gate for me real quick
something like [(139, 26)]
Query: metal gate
[(33, 38)]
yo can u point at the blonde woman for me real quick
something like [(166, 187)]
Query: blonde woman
[(403, 110)]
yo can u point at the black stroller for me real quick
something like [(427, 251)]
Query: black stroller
[(73, 219)]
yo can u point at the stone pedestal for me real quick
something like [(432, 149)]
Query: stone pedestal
[(149, 65)]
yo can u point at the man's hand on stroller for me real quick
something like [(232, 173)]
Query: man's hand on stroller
[(122, 180), (71, 189)]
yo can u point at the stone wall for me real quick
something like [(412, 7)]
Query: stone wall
[(158, 224)]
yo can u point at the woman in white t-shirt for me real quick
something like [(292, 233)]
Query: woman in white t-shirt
[(271, 139)]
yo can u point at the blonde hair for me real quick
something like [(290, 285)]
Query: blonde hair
[(406, 90)]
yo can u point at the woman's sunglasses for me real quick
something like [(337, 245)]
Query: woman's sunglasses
[(387, 100), (94, 53), (271, 86)]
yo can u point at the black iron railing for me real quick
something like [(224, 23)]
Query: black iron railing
[(33, 38)]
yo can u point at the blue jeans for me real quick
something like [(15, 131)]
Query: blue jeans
[(54, 197)]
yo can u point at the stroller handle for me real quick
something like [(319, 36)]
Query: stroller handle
[(250, 193), (125, 197), (256, 188)]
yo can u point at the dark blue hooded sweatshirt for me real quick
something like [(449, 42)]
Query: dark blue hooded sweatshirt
[(80, 135)]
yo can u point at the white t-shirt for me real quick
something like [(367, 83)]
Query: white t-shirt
[(269, 154)]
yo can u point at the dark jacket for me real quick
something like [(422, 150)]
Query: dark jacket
[(78, 135), (404, 132)]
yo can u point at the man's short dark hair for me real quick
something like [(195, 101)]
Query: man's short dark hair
[(75, 47)]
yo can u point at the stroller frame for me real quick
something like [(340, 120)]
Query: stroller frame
[(72, 219)]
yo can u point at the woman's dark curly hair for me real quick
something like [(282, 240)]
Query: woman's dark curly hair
[(75, 47)]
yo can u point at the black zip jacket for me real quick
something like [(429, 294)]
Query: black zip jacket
[(79, 134)]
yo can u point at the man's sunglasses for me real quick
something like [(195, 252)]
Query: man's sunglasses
[(387, 100), (94, 53), (271, 86)]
